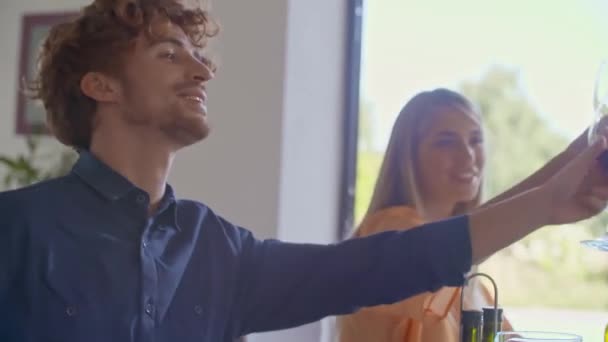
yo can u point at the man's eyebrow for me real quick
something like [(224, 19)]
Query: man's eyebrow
[(179, 43), (170, 40)]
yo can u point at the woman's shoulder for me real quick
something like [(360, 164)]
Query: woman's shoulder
[(391, 218)]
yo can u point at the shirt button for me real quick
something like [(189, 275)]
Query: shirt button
[(149, 309), (70, 311), (198, 310), (141, 198), (145, 244)]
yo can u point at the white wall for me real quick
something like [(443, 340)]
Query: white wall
[(10, 35), (236, 170), (273, 159)]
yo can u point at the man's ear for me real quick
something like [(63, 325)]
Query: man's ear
[(100, 87)]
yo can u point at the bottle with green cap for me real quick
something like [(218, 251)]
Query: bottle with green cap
[(471, 323), (492, 323)]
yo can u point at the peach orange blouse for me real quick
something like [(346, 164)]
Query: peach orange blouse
[(427, 317)]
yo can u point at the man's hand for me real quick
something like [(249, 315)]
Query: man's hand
[(577, 191), (582, 141), (580, 189)]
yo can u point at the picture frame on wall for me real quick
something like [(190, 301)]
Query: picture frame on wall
[(30, 114)]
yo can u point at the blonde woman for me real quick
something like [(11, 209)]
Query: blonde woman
[(433, 169)]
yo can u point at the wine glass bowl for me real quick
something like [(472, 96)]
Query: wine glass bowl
[(536, 336), (599, 123)]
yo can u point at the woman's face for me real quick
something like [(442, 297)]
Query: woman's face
[(451, 156)]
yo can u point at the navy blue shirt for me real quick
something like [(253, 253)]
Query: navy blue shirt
[(81, 260)]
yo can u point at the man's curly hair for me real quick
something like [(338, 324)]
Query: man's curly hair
[(96, 40)]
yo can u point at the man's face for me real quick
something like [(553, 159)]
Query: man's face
[(163, 85)]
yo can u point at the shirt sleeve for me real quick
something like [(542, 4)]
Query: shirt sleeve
[(12, 252), (8, 243), (282, 285)]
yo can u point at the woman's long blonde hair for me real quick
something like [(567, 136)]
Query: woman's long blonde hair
[(398, 180)]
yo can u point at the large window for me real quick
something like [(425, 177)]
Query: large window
[(530, 66)]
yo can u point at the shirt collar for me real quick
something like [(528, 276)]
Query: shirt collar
[(110, 184)]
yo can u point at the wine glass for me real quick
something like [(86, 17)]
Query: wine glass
[(600, 114), (535, 336)]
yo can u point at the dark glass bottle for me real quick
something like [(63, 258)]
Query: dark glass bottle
[(492, 323), (471, 323)]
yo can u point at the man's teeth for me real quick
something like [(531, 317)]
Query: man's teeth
[(194, 98)]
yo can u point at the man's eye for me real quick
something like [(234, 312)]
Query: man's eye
[(170, 55)]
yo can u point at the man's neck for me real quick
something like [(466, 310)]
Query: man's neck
[(142, 160)]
